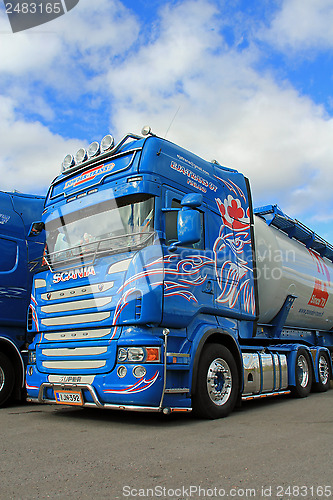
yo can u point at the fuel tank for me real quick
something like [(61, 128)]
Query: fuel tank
[(285, 266)]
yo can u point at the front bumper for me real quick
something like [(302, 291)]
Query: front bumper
[(95, 401)]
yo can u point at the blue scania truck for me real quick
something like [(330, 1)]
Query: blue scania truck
[(162, 289), (17, 213)]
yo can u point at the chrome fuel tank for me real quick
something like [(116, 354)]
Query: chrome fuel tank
[(286, 266)]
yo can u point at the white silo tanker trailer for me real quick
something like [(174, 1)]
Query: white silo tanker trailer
[(286, 266), (291, 347)]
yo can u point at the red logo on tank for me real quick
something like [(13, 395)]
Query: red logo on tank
[(319, 295)]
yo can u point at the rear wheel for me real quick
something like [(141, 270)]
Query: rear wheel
[(303, 374), (7, 378), (324, 371), (217, 383)]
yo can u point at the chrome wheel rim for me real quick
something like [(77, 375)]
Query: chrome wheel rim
[(219, 381), (324, 372), (2, 378), (302, 371)]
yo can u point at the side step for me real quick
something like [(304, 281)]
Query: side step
[(266, 395)]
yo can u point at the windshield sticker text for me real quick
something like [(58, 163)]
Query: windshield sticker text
[(89, 176)]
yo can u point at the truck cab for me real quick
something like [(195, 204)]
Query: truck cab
[(17, 249), (147, 297), (142, 261)]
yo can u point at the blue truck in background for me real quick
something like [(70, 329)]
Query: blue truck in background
[(17, 213), (162, 289)]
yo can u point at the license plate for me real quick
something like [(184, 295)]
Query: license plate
[(69, 397)]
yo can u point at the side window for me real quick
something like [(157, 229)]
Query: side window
[(171, 227)]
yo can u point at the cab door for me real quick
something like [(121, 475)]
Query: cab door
[(231, 240), (188, 271), (13, 265)]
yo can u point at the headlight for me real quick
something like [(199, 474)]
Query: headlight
[(107, 143), (146, 130), (139, 354), (67, 163), (139, 371), (122, 355), (31, 357), (121, 372), (93, 149), (135, 354), (80, 156)]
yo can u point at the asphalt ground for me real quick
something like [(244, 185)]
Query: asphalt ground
[(280, 448)]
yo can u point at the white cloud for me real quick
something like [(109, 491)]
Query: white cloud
[(302, 25), (31, 154), (226, 109), (178, 49), (183, 75), (25, 51), (88, 36), (94, 32), (57, 57)]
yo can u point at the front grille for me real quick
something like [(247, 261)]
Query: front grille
[(76, 319), (77, 334), (75, 364), (76, 305)]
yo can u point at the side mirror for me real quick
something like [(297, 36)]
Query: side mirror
[(192, 200), (36, 228), (188, 228)]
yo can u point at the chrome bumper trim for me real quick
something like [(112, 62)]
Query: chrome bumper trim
[(177, 390), (97, 403)]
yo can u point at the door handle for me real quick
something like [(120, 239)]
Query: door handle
[(208, 287)]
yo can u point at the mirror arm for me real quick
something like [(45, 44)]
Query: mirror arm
[(174, 246)]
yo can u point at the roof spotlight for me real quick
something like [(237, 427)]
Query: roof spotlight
[(107, 143), (93, 149), (80, 156), (146, 130), (67, 163)]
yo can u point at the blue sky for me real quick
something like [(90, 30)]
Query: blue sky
[(248, 83)]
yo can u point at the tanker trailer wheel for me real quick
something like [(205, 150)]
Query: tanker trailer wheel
[(324, 370), (7, 378), (217, 383), (303, 374)]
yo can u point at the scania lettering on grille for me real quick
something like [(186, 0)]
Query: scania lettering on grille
[(74, 274)]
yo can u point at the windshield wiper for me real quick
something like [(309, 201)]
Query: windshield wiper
[(87, 253)]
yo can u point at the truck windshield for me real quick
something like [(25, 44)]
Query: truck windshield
[(112, 226)]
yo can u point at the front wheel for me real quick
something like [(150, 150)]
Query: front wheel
[(217, 383), (303, 374), (7, 378)]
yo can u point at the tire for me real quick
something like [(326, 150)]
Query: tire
[(217, 383), (303, 374), (324, 370), (7, 378)]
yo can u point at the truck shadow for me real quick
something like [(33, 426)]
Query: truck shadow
[(143, 418), (120, 417), (128, 418)]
